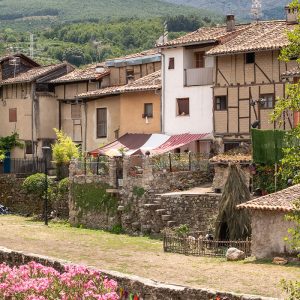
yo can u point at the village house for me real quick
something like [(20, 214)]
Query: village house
[(188, 79), (268, 223), (248, 80), (27, 102), (224, 80), (114, 111), (74, 114)]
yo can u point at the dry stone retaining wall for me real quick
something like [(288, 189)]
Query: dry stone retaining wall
[(19, 202), (146, 288)]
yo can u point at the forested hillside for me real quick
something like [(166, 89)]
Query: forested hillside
[(83, 43), (271, 9), (37, 13)]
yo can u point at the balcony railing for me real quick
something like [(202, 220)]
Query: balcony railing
[(199, 76)]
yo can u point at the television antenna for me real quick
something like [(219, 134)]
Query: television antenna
[(14, 61), (256, 10)]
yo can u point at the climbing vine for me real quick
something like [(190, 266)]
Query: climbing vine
[(92, 197)]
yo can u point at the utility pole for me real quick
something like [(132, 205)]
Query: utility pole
[(256, 10), (31, 45)]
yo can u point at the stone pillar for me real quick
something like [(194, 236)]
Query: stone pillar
[(147, 171), (112, 165), (72, 168)]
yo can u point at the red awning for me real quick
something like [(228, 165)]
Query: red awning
[(177, 141), (129, 141)]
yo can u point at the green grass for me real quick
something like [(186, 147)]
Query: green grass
[(144, 257)]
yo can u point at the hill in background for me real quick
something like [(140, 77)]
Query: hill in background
[(27, 14), (241, 8)]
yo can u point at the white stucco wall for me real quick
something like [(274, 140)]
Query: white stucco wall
[(200, 119), (269, 229)]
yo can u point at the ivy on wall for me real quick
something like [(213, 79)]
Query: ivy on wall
[(91, 197)]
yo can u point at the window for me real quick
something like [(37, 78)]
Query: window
[(28, 147), (267, 101), (171, 63), (250, 58), (75, 111), (230, 146), (221, 103), (101, 122), (12, 115), (129, 75), (199, 57), (148, 110), (183, 107)]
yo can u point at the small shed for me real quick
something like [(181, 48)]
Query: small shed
[(221, 165), (268, 223)]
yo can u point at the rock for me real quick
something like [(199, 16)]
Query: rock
[(234, 254), (279, 261)]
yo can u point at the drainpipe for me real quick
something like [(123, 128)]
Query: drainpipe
[(85, 126), (163, 93), (32, 118)]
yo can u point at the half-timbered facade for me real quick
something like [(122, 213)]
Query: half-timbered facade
[(248, 81)]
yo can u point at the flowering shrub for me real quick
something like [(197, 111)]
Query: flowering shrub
[(37, 282)]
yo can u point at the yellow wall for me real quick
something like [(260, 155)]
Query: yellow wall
[(113, 121), (132, 109)]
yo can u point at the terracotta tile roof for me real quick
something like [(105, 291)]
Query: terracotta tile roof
[(142, 54), (32, 74), (90, 72), (205, 34), (32, 62), (295, 72), (232, 158), (280, 201), (147, 83), (265, 35)]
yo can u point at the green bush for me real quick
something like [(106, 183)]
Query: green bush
[(117, 229), (36, 184), (63, 186)]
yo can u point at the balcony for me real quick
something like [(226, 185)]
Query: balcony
[(198, 77)]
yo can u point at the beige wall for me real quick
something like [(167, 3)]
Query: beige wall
[(269, 228), (132, 109), (71, 90), (118, 76), (241, 82), (113, 121), (45, 115), (47, 118)]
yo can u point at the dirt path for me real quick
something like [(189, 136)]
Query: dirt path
[(143, 257)]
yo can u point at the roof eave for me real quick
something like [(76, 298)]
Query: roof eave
[(187, 44)]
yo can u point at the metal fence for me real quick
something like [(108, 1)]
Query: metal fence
[(22, 166), (93, 166), (203, 247), (180, 162)]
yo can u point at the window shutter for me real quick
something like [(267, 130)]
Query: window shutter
[(75, 111), (13, 115), (102, 122)]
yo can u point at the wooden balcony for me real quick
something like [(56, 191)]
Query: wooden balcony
[(198, 77)]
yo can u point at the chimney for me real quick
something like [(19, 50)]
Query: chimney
[(230, 22), (291, 15)]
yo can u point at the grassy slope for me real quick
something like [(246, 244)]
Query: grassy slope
[(142, 256)]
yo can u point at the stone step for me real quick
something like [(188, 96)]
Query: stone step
[(151, 206), (171, 223), (160, 211), (166, 217)]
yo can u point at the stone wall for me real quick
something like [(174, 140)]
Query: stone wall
[(19, 202), (140, 206), (221, 175), (146, 288), (269, 228)]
